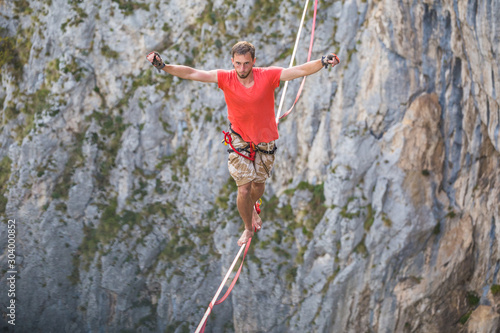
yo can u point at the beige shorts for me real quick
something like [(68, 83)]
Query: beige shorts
[(244, 170)]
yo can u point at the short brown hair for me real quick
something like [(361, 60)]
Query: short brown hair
[(243, 48)]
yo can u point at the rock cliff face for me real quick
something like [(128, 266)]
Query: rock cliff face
[(382, 213)]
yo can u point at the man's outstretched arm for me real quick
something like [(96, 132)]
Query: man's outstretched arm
[(189, 73), (308, 68), (184, 72)]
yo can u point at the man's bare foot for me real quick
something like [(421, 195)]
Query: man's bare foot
[(245, 237), (256, 220)]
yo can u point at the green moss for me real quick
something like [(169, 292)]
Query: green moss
[(76, 19), (437, 229), (269, 212), (34, 105), (131, 218), (370, 218), (5, 172), (52, 73), (451, 215), (495, 289), (472, 298), (309, 217), (361, 248), (74, 277), (208, 15), (177, 326), (348, 215), (61, 207), (109, 53), (74, 69), (277, 236), (286, 213), (281, 253), (387, 221), (110, 222), (349, 57), (145, 79), (263, 10), (285, 54), (164, 84), (330, 280), (22, 7), (38, 102), (128, 7), (465, 318), (106, 231), (291, 274), (161, 209), (177, 246), (299, 259), (9, 55), (108, 143), (228, 188), (416, 279), (24, 44), (10, 112), (75, 160)]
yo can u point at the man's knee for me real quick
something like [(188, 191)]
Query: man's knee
[(245, 189), (258, 187)]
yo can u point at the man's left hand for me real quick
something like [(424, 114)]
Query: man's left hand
[(330, 59)]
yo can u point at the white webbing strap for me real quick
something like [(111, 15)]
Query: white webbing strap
[(291, 60)]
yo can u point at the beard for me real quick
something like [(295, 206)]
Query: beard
[(241, 76), (244, 76)]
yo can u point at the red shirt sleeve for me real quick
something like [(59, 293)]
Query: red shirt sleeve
[(273, 74), (222, 78)]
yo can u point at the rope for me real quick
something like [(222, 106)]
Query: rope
[(278, 117), (203, 322)]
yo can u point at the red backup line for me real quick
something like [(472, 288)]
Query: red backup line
[(203, 322)]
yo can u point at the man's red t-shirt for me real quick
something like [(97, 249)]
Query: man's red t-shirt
[(251, 110)]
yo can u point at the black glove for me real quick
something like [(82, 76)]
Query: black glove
[(156, 60), (331, 56)]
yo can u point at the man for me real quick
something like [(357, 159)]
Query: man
[(249, 95)]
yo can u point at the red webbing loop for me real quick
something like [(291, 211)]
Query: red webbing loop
[(228, 140)]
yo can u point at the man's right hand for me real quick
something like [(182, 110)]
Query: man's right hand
[(155, 59)]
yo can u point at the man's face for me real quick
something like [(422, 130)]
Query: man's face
[(243, 64)]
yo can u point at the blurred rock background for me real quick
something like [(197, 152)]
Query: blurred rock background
[(382, 213)]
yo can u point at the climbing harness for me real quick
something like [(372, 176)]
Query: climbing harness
[(214, 302), (229, 140), (278, 117), (251, 149)]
